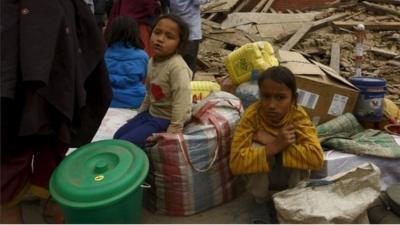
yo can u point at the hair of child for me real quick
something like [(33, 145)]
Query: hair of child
[(280, 74), (126, 30), (183, 30)]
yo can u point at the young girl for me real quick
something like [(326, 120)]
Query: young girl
[(274, 134), (126, 63), (168, 102)]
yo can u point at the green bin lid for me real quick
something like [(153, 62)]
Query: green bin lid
[(98, 174)]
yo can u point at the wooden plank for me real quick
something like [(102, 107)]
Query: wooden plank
[(393, 2), (322, 22), (224, 6), (311, 26), (259, 6), (276, 30), (245, 27), (297, 36), (212, 6), (394, 63), (210, 44), (383, 52), (236, 39), (212, 16), (267, 6), (379, 8), (241, 5), (236, 19), (335, 57), (271, 30), (369, 25), (211, 23)]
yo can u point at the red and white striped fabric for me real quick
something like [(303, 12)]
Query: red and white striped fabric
[(190, 172)]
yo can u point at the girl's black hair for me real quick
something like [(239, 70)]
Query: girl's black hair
[(125, 29), (183, 30), (280, 74)]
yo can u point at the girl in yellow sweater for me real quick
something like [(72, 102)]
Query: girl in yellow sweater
[(274, 134)]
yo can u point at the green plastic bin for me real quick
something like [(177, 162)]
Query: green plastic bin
[(101, 183)]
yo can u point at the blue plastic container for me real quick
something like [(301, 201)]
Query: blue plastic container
[(370, 101)]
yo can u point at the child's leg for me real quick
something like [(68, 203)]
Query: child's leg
[(297, 175), (139, 134), (131, 124), (258, 186)]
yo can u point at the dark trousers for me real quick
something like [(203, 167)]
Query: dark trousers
[(18, 170), (190, 56), (142, 126)]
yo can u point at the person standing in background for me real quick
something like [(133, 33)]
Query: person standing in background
[(144, 12), (55, 92), (189, 11)]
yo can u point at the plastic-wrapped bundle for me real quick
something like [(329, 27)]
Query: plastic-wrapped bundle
[(190, 172), (248, 91)]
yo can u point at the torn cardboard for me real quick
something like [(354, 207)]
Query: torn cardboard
[(322, 92)]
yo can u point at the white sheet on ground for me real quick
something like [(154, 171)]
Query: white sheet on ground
[(336, 162), (113, 120)]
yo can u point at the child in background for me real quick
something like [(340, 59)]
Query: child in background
[(144, 12), (126, 63), (274, 135), (168, 102)]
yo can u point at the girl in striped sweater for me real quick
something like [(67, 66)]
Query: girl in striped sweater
[(275, 134)]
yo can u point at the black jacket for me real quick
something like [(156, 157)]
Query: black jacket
[(54, 80)]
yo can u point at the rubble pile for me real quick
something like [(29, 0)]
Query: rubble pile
[(325, 34)]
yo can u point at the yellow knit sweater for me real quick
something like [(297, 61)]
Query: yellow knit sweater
[(246, 158)]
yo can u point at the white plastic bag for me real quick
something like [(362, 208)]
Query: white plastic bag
[(343, 198)]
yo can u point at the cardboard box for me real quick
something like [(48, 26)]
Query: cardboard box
[(322, 92)]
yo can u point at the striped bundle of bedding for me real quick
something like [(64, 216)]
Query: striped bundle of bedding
[(189, 172)]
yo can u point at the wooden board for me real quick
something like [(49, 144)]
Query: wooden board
[(236, 19), (383, 52), (207, 44), (297, 36), (267, 6), (278, 29), (393, 2), (380, 8), (322, 22), (316, 24), (335, 57), (259, 6), (222, 6), (369, 25), (241, 5), (237, 38)]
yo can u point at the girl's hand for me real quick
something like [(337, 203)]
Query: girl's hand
[(286, 136), (152, 140), (174, 129), (263, 137)]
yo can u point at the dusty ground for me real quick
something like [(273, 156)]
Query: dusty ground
[(236, 211)]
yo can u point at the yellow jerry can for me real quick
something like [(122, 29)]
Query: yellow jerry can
[(201, 89), (252, 56)]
